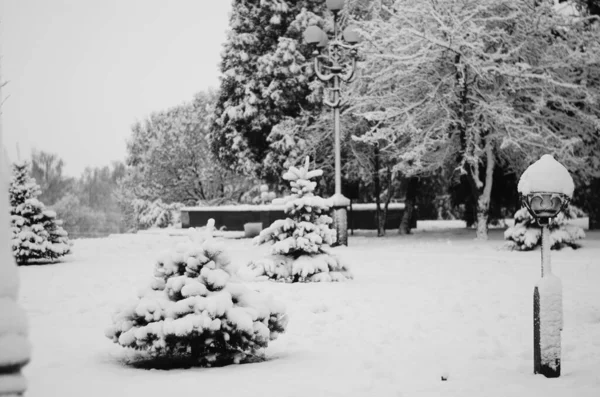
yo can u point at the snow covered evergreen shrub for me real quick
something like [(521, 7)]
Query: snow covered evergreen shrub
[(526, 234), (193, 312), (156, 213), (301, 243), (36, 233)]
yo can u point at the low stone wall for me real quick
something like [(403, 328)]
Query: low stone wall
[(360, 216)]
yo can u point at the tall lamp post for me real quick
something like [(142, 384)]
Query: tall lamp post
[(14, 343), (331, 65), (546, 188)]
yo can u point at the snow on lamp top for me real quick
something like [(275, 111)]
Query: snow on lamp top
[(546, 175), (335, 5)]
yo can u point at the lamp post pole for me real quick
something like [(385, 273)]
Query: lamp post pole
[(547, 314), (332, 66)]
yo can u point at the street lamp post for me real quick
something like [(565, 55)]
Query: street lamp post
[(546, 189), (14, 344), (331, 65)]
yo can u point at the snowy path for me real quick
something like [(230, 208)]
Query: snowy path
[(419, 306)]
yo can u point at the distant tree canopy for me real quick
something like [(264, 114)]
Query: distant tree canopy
[(472, 85), (47, 170), (168, 158), (88, 205)]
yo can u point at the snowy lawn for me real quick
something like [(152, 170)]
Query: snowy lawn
[(420, 306)]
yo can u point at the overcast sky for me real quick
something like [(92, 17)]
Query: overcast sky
[(81, 72)]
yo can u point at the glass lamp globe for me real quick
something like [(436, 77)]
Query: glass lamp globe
[(545, 204), (313, 34), (546, 188), (350, 35), (335, 5)]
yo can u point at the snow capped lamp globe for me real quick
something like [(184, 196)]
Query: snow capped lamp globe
[(546, 188)]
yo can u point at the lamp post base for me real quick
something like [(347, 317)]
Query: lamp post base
[(340, 224), (547, 326), (340, 218)]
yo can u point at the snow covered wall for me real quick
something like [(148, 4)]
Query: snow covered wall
[(14, 344)]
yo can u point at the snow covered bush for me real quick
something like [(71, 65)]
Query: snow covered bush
[(156, 213), (301, 243), (193, 312), (36, 233), (526, 234)]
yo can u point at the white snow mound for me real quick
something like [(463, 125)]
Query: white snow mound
[(546, 175)]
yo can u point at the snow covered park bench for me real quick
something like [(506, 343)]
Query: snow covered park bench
[(234, 217)]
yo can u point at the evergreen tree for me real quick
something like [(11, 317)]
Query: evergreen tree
[(265, 80), (36, 233), (526, 234), (300, 250), (193, 314)]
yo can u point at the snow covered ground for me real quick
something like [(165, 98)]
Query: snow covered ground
[(420, 306)]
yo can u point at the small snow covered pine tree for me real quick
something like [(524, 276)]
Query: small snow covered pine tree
[(193, 314), (300, 250), (526, 234), (36, 233)]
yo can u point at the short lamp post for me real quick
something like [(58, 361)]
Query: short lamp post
[(331, 65), (546, 189)]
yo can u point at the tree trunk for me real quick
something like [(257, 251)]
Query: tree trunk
[(377, 186), (593, 210), (470, 211), (409, 205), (484, 192), (390, 193)]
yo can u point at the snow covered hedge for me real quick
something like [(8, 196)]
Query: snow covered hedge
[(156, 213), (192, 311), (301, 243), (526, 234)]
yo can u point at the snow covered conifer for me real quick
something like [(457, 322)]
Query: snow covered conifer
[(36, 233), (526, 234), (300, 250), (193, 313)]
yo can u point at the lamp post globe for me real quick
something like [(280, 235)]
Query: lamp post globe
[(350, 35), (313, 34), (334, 5)]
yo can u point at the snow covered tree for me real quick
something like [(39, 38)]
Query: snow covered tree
[(472, 84), (300, 243), (47, 170), (194, 314), (156, 213), (526, 234), (169, 158), (36, 233), (265, 81)]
